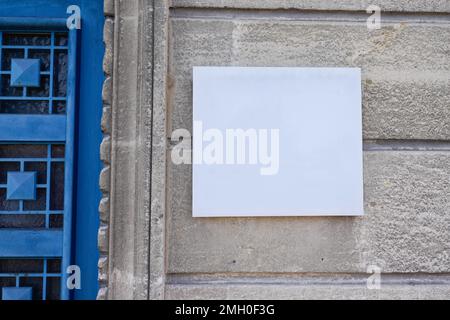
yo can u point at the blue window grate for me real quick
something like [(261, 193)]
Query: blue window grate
[(51, 49), (43, 278), (37, 71), (47, 162)]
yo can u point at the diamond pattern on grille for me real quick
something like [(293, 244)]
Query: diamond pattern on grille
[(33, 81)]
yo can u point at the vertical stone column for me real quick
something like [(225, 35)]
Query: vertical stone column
[(148, 89), (105, 149), (159, 44), (126, 150)]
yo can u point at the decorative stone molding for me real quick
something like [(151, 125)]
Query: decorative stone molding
[(158, 43), (133, 152), (105, 150), (147, 92)]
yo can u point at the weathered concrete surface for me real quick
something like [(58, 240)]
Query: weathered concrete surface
[(405, 90), (407, 225), (405, 83), (105, 153), (317, 292), (159, 149), (386, 5), (406, 105), (132, 210), (129, 185), (405, 87), (405, 228)]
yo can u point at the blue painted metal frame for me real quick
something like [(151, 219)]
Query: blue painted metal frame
[(39, 243), (14, 293), (89, 105), (25, 72), (69, 162), (21, 185), (29, 23), (32, 128), (31, 243)]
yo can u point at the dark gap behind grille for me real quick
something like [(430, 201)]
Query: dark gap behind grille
[(22, 221), (23, 151), (26, 39)]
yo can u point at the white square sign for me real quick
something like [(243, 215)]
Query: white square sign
[(277, 142)]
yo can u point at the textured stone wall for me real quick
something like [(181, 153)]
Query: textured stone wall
[(105, 149), (405, 231), (123, 237), (406, 130)]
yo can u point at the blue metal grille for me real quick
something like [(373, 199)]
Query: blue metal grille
[(49, 166), (37, 71), (52, 51), (44, 277)]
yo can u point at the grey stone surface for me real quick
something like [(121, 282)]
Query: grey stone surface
[(102, 293), (103, 269), (128, 228), (106, 119), (318, 292), (105, 149), (404, 97), (157, 274), (103, 244), (405, 227), (105, 179), (103, 209), (401, 74), (408, 211), (405, 80), (387, 5), (108, 34), (108, 7), (107, 91), (406, 105)]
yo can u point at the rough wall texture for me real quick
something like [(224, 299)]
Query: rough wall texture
[(125, 181), (406, 130), (405, 69), (105, 149), (350, 5)]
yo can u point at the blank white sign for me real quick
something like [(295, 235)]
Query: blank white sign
[(317, 112)]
